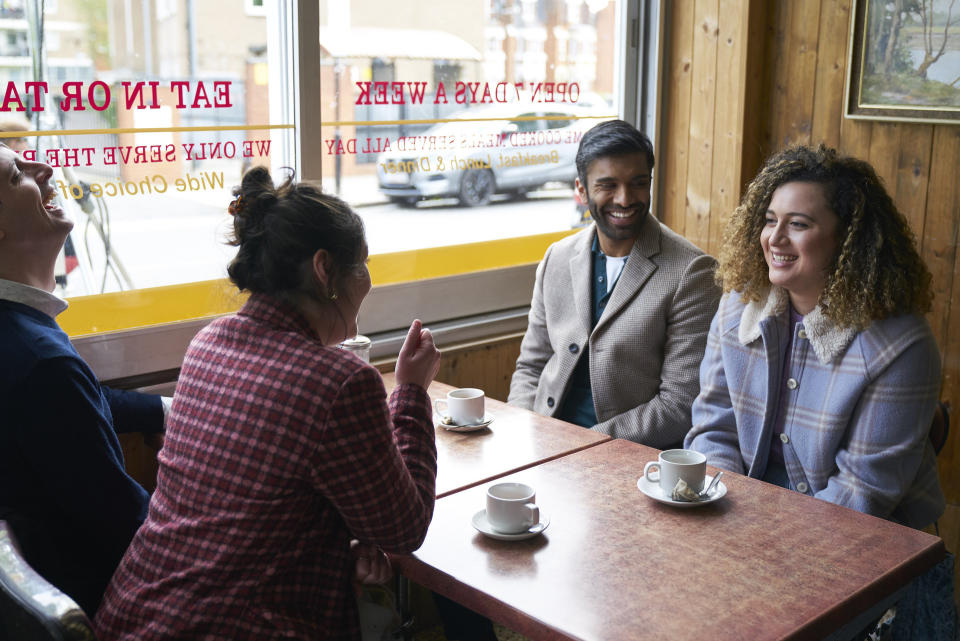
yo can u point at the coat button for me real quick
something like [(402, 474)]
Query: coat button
[(801, 487), (784, 438), (791, 383), (574, 348), (802, 333), (550, 401)]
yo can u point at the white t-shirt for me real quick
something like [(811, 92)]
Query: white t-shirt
[(614, 267)]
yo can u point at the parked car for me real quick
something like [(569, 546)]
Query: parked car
[(495, 150)]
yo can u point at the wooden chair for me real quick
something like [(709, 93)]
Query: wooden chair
[(940, 427), (31, 609)]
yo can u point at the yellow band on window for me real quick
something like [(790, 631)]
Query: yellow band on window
[(174, 303)]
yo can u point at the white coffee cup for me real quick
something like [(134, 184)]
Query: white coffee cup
[(511, 507), (673, 465), (464, 406)]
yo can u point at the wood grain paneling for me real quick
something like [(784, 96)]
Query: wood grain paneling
[(909, 190), (884, 152), (830, 71), (728, 116), (855, 137), (487, 364), (756, 94), (940, 235), (704, 98), (677, 119), (800, 58)]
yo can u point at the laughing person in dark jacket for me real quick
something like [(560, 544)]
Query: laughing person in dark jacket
[(63, 487)]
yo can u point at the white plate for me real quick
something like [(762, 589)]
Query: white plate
[(470, 427), (483, 526), (653, 491)]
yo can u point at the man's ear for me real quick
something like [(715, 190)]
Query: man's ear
[(581, 190)]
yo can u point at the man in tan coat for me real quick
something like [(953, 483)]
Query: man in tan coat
[(620, 311)]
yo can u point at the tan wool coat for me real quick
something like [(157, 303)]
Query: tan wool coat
[(646, 349)]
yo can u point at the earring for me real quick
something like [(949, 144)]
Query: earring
[(332, 295)]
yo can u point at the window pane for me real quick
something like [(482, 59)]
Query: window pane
[(449, 123), (149, 115)]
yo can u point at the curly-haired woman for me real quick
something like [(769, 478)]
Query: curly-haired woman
[(821, 374)]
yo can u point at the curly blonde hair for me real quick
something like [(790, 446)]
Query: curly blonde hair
[(877, 272)]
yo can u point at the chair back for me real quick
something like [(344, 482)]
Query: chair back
[(940, 427), (31, 608)]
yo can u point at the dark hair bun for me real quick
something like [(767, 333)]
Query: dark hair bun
[(278, 228), (254, 198)]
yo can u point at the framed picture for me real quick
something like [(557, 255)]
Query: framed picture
[(905, 61)]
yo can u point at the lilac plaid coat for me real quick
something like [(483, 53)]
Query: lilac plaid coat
[(857, 419)]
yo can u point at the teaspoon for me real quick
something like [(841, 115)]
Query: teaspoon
[(716, 479)]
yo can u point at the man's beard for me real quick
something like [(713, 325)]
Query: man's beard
[(615, 232)]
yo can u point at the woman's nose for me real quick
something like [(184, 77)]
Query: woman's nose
[(778, 235)]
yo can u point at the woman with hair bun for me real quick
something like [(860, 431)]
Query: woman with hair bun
[(821, 374), (286, 473)]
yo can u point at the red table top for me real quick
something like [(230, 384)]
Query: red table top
[(515, 440), (760, 563)]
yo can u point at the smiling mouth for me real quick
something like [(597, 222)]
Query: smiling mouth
[(620, 213), (782, 258), (48, 202)]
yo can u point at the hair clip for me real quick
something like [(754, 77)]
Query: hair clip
[(235, 206)]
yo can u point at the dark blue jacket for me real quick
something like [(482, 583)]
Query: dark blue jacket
[(63, 486)]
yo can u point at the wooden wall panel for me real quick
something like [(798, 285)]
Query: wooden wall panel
[(800, 25), (940, 237), (831, 64), (884, 152), (673, 162), (756, 95), (701, 143), (855, 137), (728, 118), (909, 190), (487, 364)]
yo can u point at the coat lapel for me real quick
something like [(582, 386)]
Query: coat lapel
[(580, 271), (828, 340), (636, 272)]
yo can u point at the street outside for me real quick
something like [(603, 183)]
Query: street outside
[(168, 239)]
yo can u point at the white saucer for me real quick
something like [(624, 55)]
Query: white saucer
[(653, 491), (470, 427), (483, 526)]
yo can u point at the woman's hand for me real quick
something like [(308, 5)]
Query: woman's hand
[(419, 359), (372, 565)]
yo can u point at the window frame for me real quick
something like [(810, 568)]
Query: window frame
[(504, 292)]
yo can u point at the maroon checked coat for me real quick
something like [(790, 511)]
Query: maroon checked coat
[(278, 452)]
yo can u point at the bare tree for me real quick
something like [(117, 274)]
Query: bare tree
[(926, 18), (894, 37)]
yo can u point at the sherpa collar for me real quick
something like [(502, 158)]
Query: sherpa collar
[(827, 339)]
